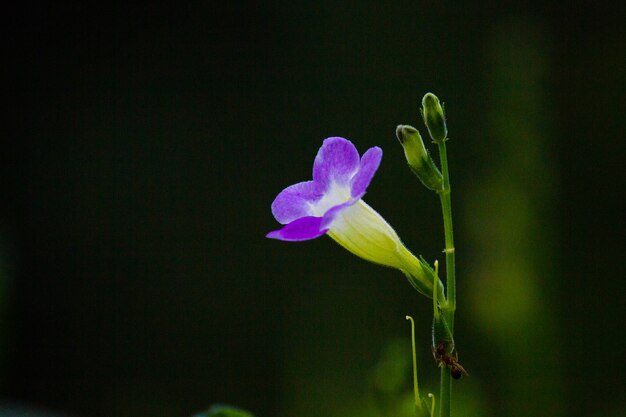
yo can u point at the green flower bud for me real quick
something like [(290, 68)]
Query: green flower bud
[(434, 117), (418, 158)]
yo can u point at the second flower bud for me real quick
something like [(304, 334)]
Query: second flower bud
[(418, 158)]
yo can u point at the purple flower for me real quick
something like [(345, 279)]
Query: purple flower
[(332, 204)]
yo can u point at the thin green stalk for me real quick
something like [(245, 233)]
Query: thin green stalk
[(418, 401), (450, 305)]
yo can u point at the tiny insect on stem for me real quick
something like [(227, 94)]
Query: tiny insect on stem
[(445, 359)]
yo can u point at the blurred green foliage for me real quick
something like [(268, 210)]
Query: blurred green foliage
[(224, 411), (512, 296)]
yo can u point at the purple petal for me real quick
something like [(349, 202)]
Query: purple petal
[(294, 202), (305, 228), (336, 161), (368, 167)]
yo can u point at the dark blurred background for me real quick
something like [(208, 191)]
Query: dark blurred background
[(143, 146)]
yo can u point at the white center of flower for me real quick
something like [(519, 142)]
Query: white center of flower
[(335, 195)]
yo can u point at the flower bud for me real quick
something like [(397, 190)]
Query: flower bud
[(434, 117), (418, 158)]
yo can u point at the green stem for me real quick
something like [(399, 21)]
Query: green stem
[(444, 392), (450, 305)]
